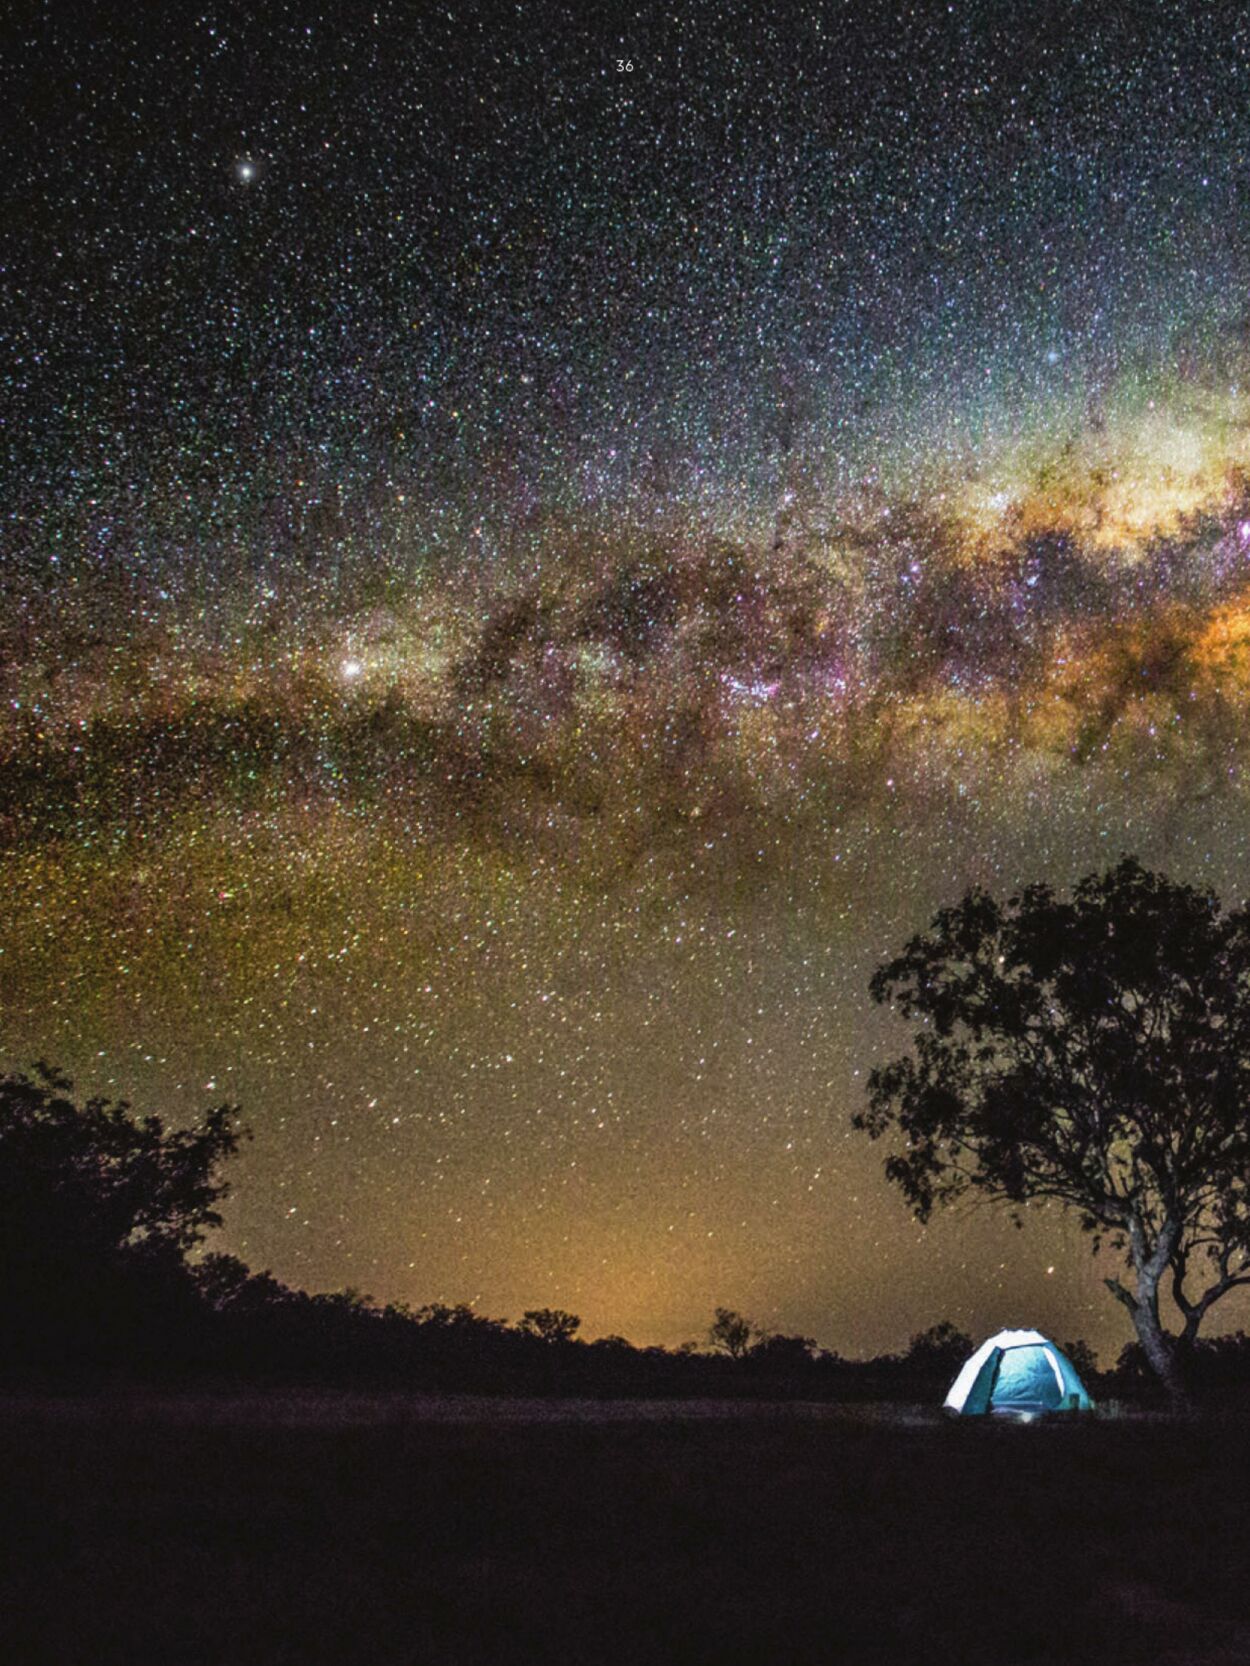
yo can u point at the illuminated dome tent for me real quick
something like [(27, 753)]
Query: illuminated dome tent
[(1020, 1372)]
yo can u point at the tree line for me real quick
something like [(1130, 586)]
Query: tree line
[(104, 1277), (1091, 1052)]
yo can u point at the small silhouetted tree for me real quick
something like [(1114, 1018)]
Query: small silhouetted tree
[(227, 1284), (731, 1333), (783, 1353), (1084, 1359), (442, 1316), (1094, 1053), (348, 1300), (940, 1350), (1132, 1368), (552, 1324)]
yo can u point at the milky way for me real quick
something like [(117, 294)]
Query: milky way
[(539, 546)]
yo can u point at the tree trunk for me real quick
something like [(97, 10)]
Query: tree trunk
[(1187, 1341), (1149, 1263), (1157, 1346)]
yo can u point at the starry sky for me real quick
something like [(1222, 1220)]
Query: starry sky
[(539, 543)]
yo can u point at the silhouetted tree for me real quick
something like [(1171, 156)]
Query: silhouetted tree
[(783, 1354), (221, 1279), (1132, 1368), (442, 1316), (1094, 1053), (227, 1284), (349, 1299), (552, 1324), (731, 1333), (98, 1208), (940, 1350), (1083, 1358)]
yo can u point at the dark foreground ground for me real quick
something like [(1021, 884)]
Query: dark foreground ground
[(206, 1532)]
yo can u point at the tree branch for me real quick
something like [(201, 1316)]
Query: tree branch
[(1121, 1294)]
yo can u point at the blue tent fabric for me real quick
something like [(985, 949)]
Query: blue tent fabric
[(1018, 1373)]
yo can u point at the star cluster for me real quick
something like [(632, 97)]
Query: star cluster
[(539, 545)]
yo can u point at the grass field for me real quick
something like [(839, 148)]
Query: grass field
[(207, 1532)]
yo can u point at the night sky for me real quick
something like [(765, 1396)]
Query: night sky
[(540, 543)]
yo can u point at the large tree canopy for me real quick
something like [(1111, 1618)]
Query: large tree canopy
[(1095, 1052)]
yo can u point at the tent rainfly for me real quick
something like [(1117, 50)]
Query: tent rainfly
[(1018, 1372)]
